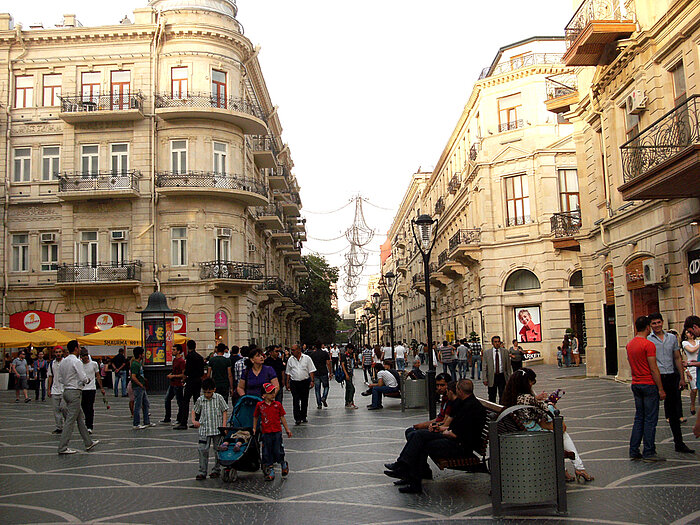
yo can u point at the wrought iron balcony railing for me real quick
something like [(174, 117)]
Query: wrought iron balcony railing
[(111, 102), (464, 236), (99, 181), (566, 223), (99, 273), (279, 171), (440, 206), (269, 210), (271, 283), (208, 100), (442, 258), (454, 184), (514, 63), (667, 136), (561, 85), (290, 197), (518, 221), (231, 270), (510, 126), (262, 143), (208, 179), (418, 278), (593, 10), (473, 151)]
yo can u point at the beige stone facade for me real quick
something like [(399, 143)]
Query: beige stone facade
[(148, 155)]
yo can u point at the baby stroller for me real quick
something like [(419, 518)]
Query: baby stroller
[(247, 458)]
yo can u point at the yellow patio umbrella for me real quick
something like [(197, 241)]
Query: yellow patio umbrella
[(13, 338), (52, 337), (124, 335)]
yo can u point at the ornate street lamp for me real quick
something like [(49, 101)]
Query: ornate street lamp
[(389, 284), (424, 230), (376, 300), (366, 318)]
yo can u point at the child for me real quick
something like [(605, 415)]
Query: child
[(559, 356), (239, 438), (271, 413), (208, 414)]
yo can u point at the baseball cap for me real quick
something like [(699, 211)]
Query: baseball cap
[(268, 388)]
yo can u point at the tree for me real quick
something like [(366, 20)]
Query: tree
[(315, 293)]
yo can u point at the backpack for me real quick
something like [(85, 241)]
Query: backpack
[(339, 374)]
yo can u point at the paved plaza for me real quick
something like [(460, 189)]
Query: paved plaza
[(336, 475)]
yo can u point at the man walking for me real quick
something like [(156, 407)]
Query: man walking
[(138, 384), (220, 372), (55, 389), (20, 368), (671, 369), (367, 362), (462, 359), (119, 367), (87, 401), (300, 374), (497, 368), (446, 356), (647, 389), (400, 353), (194, 370), (322, 363), (175, 388), (476, 350), (274, 360), (71, 375)]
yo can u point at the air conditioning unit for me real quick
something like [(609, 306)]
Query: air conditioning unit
[(119, 235), (223, 232), (636, 102), (654, 272), (47, 238), (251, 247)]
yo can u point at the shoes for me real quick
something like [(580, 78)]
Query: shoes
[(682, 420), (319, 407), (324, 403), (297, 422), (200, 477), (151, 425), (180, 427), (57, 432), (27, 400), (583, 475), (269, 474), (192, 426), (412, 488), (214, 475), (140, 427), (165, 421), (391, 466), (568, 477), (304, 420), (692, 412), (89, 431), (92, 445), (395, 474), (67, 451), (353, 406), (285, 468), (17, 400), (401, 482), (372, 407), (684, 449), (655, 458), (635, 457), (366, 393)]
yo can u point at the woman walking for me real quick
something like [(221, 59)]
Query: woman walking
[(256, 374), (691, 347)]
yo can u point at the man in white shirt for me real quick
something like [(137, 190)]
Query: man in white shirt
[(335, 354), (55, 389), (400, 352), (388, 353), (71, 374), (87, 402), (386, 384), (300, 376)]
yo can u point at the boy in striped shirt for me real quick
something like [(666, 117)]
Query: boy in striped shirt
[(208, 414)]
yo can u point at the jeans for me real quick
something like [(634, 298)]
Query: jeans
[(40, 383), (74, 414), (59, 410), (141, 402), (88, 405), (463, 367), (300, 398), (452, 366), (173, 392), (476, 360), (377, 392), (400, 364), (567, 358), (349, 392), (120, 376), (672, 405), (318, 381), (272, 448), (646, 404), (367, 369), (203, 449)]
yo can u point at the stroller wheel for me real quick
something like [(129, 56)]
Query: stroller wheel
[(233, 475), (226, 476)]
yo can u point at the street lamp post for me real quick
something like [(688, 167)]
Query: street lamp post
[(389, 283), (425, 239), (376, 300), (368, 314), (363, 318)]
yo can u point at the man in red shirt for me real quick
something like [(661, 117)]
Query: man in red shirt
[(271, 413), (647, 390), (175, 389)]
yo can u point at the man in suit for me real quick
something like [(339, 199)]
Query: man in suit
[(497, 368)]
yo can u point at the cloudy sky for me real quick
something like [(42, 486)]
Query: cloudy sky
[(368, 90)]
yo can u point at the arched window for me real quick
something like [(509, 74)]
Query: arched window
[(576, 279), (522, 280)]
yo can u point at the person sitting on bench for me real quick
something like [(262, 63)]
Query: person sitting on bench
[(387, 383), (416, 372)]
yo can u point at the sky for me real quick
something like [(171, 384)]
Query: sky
[(368, 91)]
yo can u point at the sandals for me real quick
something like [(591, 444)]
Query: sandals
[(568, 477), (583, 475)]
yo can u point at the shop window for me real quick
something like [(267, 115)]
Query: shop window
[(522, 280)]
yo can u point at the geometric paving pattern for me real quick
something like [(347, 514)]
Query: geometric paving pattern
[(336, 463)]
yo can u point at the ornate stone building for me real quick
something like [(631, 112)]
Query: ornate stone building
[(144, 155)]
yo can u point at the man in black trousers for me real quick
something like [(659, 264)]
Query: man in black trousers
[(194, 370), (300, 378)]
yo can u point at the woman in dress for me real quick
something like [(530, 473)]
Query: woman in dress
[(691, 346), (256, 374), (518, 391)]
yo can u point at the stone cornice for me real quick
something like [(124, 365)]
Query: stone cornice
[(79, 34)]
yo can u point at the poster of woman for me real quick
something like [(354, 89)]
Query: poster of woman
[(528, 324)]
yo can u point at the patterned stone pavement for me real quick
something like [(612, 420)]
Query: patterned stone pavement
[(336, 475)]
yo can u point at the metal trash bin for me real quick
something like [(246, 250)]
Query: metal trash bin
[(414, 393), (527, 468)]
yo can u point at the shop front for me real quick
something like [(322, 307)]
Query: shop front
[(643, 298), (100, 321), (610, 323), (32, 320), (221, 327), (694, 277)]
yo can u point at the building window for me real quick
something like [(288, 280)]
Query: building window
[(178, 238), (120, 158), (24, 91), (52, 90), (90, 83), (517, 200), (87, 249), (178, 156), (218, 88), (90, 160), (20, 252), (223, 248), (121, 89), (178, 82), (679, 89), (568, 189), (521, 280), (220, 150), (49, 254), (119, 248), (50, 162), (576, 279), (509, 112), (22, 165)]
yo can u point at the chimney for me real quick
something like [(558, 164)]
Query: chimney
[(36, 25), (6, 22), (71, 21)]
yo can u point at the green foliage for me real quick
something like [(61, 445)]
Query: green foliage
[(316, 294)]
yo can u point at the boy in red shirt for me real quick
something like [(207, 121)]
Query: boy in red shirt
[(271, 414)]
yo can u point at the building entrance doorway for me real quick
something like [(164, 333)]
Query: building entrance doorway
[(578, 325), (610, 323)]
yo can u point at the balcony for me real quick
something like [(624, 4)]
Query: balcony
[(663, 161), (278, 178), (400, 241), (454, 184), (249, 191), (440, 206), (564, 226), (241, 113), (465, 246), (101, 108), (264, 150), (474, 151), (562, 92), (282, 238), (242, 272), (596, 24), (270, 217), (442, 258), (418, 282), (532, 59), (510, 126), (126, 274), (401, 265), (289, 202), (98, 185)]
